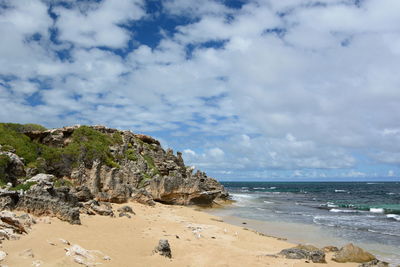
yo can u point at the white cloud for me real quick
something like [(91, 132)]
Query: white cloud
[(90, 24), (311, 89)]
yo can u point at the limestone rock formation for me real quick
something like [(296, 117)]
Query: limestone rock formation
[(80, 168), (351, 253), (12, 167), (43, 200)]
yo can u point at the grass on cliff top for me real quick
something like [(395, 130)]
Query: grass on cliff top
[(11, 135)]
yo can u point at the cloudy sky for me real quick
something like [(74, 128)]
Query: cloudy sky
[(258, 89)]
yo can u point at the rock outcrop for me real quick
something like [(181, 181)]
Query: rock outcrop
[(12, 167), (43, 199), (83, 167), (351, 253)]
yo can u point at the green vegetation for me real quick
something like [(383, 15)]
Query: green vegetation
[(11, 135), (62, 182), (24, 187), (131, 154), (117, 138)]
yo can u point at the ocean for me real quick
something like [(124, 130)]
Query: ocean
[(321, 213)]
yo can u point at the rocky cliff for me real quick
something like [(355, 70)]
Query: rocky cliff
[(97, 163)]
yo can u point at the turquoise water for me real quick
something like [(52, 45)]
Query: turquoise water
[(360, 212)]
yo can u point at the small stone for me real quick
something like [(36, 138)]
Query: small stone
[(107, 258), (164, 248), (2, 255), (37, 263), (126, 209)]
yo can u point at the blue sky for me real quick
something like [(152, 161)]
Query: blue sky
[(258, 89)]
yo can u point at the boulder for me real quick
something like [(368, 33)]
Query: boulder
[(8, 199), (308, 252), (45, 200), (126, 209), (101, 208), (351, 253), (82, 193), (194, 190), (143, 197), (330, 249), (41, 178), (163, 248)]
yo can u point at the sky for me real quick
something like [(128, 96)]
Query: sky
[(247, 90)]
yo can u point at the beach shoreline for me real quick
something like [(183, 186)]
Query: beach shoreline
[(196, 239)]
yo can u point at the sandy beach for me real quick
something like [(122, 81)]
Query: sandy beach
[(196, 239)]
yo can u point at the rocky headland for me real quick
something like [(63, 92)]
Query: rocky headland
[(64, 172)]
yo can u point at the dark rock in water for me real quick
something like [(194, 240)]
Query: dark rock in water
[(308, 252), (163, 248), (375, 262), (44, 199), (126, 209), (351, 253)]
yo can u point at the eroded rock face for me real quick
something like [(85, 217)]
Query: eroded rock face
[(192, 190), (15, 167), (131, 166), (351, 253), (45, 200)]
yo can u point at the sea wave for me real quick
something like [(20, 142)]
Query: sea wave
[(344, 211), (340, 191), (258, 188), (377, 210), (393, 217)]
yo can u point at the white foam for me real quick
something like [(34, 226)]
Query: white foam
[(393, 216), (344, 211), (259, 188), (268, 202), (340, 191), (377, 210), (272, 187)]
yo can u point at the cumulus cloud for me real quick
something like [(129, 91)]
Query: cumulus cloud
[(267, 89)]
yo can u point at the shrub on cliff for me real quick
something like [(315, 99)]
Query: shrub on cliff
[(11, 135)]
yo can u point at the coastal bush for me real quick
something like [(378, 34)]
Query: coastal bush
[(24, 187), (131, 154), (22, 144), (63, 182), (21, 128)]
